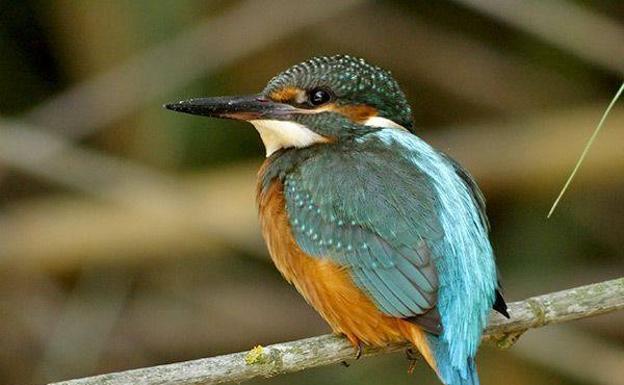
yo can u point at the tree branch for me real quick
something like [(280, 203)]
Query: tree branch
[(562, 306)]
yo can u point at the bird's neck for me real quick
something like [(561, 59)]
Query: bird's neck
[(284, 161)]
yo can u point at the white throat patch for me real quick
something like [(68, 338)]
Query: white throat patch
[(277, 134), (378, 121)]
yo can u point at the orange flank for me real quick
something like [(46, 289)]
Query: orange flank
[(327, 286)]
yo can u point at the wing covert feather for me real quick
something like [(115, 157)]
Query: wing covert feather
[(377, 223)]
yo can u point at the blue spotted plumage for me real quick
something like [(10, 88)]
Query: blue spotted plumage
[(420, 244), (350, 195)]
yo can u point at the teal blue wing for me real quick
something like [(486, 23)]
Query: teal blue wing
[(475, 191), (479, 200), (377, 221)]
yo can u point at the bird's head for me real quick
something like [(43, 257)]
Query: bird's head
[(322, 100)]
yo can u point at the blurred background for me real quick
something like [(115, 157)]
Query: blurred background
[(128, 233)]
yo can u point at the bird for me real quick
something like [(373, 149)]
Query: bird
[(386, 237)]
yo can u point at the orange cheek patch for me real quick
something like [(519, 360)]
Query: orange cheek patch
[(358, 113), (286, 94)]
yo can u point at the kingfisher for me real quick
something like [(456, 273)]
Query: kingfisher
[(383, 235)]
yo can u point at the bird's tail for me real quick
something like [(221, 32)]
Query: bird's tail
[(450, 373), (437, 355)]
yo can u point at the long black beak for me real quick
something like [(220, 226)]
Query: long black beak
[(234, 107)]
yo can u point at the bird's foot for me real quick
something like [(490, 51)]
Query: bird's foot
[(507, 340), (358, 350), (413, 356), (357, 345)]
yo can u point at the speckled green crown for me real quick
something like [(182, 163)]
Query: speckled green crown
[(353, 81)]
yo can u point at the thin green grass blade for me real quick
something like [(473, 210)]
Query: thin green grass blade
[(586, 149)]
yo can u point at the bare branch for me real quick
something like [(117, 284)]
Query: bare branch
[(562, 306)]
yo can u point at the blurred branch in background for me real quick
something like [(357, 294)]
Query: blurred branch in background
[(97, 301), (566, 305), (142, 209), (571, 27), (150, 75), (52, 157), (157, 214), (467, 68), (547, 349)]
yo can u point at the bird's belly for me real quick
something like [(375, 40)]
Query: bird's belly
[(325, 285)]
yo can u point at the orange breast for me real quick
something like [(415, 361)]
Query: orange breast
[(327, 286)]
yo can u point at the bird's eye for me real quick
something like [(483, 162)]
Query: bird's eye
[(319, 96)]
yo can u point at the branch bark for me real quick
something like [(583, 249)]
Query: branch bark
[(562, 306)]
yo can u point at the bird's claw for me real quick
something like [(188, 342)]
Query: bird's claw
[(357, 345), (358, 350), (413, 357), (507, 340)]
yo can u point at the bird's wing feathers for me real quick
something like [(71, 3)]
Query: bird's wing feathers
[(476, 194), (475, 191), (376, 221)]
